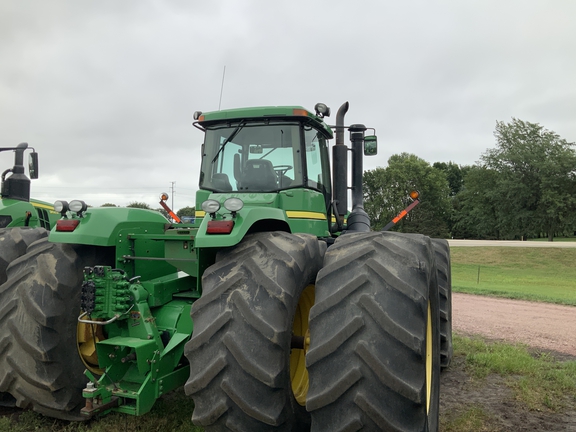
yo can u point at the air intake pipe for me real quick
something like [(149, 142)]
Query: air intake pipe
[(358, 219), (17, 186)]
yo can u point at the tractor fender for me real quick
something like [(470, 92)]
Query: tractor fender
[(17, 213), (103, 226), (243, 221)]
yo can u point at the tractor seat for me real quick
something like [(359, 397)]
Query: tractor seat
[(258, 176), (221, 182)]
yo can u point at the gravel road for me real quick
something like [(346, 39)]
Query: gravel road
[(540, 325), (511, 243)]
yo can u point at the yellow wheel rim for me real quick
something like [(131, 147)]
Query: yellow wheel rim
[(298, 371), (87, 335), (428, 359)]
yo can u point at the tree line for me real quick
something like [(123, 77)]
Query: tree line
[(524, 187), (183, 212)]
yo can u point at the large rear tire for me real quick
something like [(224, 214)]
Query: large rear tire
[(442, 252), (39, 362), (255, 298), (13, 244), (373, 361)]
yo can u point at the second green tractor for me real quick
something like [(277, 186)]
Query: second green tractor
[(22, 220)]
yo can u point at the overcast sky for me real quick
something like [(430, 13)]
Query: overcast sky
[(105, 90)]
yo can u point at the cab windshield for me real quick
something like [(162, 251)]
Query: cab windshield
[(257, 157)]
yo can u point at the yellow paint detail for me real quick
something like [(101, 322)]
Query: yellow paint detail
[(429, 349), (298, 371), (305, 215), (87, 335), (199, 213), (334, 219), (44, 206)]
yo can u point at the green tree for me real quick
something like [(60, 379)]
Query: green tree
[(186, 211), (108, 205), (454, 174), (536, 183), (477, 213), (386, 193), (141, 205)]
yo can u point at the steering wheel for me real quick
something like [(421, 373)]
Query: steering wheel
[(282, 169)]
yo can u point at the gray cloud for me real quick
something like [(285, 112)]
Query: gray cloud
[(105, 90)]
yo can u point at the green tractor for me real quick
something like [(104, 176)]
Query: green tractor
[(22, 220), (277, 309)]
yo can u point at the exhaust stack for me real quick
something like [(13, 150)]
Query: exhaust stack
[(340, 161)]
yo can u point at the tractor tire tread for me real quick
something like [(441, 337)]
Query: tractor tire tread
[(242, 329), (367, 354)]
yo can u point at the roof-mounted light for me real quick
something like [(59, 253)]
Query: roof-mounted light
[(322, 110), (300, 112), (197, 115)]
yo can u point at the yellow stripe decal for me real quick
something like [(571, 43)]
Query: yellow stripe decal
[(305, 215), (290, 214), (334, 220), (199, 213), (44, 206)]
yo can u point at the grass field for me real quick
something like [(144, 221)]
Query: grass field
[(539, 274)]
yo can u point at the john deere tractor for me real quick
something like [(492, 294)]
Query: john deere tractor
[(277, 309), (22, 220)]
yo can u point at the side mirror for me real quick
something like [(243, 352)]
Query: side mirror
[(33, 165), (256, 149), (370, 145)]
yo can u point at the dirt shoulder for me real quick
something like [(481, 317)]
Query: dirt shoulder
[(540, 325)]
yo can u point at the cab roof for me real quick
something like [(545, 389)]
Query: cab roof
[(264, 113)]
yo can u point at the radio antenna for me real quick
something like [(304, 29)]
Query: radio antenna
[(222, 87)]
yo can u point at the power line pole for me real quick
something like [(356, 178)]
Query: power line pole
[(172, 193)]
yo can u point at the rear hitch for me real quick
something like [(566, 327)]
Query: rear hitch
[(99, 400)]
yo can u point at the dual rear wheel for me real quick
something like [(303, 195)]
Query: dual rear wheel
[(290, 337)]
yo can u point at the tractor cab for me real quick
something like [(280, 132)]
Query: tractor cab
[(266, 149), (253, 153)]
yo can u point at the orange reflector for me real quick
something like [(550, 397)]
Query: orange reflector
[(300, 112), (414, 194), (219, 227), (67, 225), (201, 118)]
